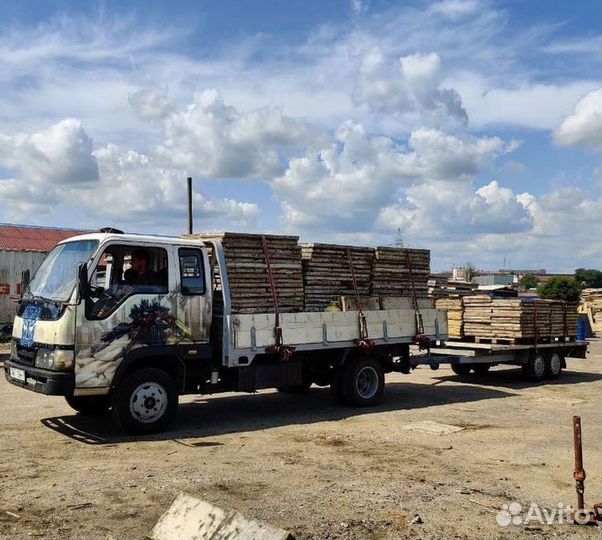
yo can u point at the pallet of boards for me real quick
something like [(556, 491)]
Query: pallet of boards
[(517, 318), (440, 287), (563, 318), (455, 314), (327, 273), (247, 270), (394, 270)]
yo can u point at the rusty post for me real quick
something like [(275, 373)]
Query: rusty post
[(579, 472)]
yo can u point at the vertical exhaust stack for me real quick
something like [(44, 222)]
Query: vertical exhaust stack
[(189, 182)]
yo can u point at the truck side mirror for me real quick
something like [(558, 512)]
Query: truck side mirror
[(25, 279), (83, 283)]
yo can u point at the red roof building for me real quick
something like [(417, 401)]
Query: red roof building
[(32, 238)]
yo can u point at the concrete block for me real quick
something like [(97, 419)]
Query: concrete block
[(190, 518)]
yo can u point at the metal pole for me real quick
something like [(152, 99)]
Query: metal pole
[(579, 472), (189, 182)]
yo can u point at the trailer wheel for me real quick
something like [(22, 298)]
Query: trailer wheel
[(535, 368), (145, 401), (461, 369), (481, 369), (89, 404), (553, 366), (362, 381)]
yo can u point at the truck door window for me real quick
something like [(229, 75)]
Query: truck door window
[(191, 271), (123, 271)]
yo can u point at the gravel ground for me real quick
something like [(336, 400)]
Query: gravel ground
[(449, 450)]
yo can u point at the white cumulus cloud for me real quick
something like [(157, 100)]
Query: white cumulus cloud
[(216, 140), (410, 90), (151, 103), (584, 126), (133, 188), (344, 186)]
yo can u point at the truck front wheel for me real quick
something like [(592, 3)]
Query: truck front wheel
[(89, 404), (145, 401), (362, 381)]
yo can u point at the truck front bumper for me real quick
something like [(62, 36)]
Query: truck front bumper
[(43, 381)]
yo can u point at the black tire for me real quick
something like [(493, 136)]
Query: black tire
[(535, 368), (481, 369), (145, 401), (89, 404), (461, 369), (362, 381), (302, 388), (554, 364), (335, 383)]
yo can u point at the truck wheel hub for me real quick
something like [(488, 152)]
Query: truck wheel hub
[(148, 402), (367, 382)]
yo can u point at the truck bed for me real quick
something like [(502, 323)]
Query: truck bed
[(251, 334)]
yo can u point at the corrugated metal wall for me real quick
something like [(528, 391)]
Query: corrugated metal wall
[(12, 263)]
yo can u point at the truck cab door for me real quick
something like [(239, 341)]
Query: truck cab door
[(194, 298), (128, 307)]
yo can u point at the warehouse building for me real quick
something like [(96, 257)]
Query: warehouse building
[(23, 247)]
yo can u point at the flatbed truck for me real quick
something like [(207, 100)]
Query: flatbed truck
[(83, 330)]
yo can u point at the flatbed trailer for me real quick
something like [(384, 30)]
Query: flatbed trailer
[(538, 360)]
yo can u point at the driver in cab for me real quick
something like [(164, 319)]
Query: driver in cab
[(139, 272)]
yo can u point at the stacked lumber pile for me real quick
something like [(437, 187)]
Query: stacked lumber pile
[(477, 316), (592, 299), (391, 271), (455, 314), (327, 273), (563, 318), (517, 318), (440, 287), (248, 275)]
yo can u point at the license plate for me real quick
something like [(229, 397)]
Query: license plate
[(18, 374)]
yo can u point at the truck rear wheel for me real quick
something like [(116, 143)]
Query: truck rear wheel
[(461, 369), (362, 381), (89, 404), (481, 369), (553, 366), (535, 368), (145, 401)]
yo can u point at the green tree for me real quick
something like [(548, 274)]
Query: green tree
[(560, 288), (529, 281), (589, 277)]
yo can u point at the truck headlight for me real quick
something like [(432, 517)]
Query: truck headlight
[(57, 359)]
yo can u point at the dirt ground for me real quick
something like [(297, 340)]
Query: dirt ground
[(311, 466)]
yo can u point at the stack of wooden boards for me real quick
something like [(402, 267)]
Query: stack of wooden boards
[(327, 273), (512, 319), (248, 275), (455, 311), (308, 276), (441, 287), (394, 270)]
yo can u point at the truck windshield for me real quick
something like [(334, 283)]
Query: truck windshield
[(55, 279)]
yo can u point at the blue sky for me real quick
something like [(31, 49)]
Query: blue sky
[(472, 126)]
